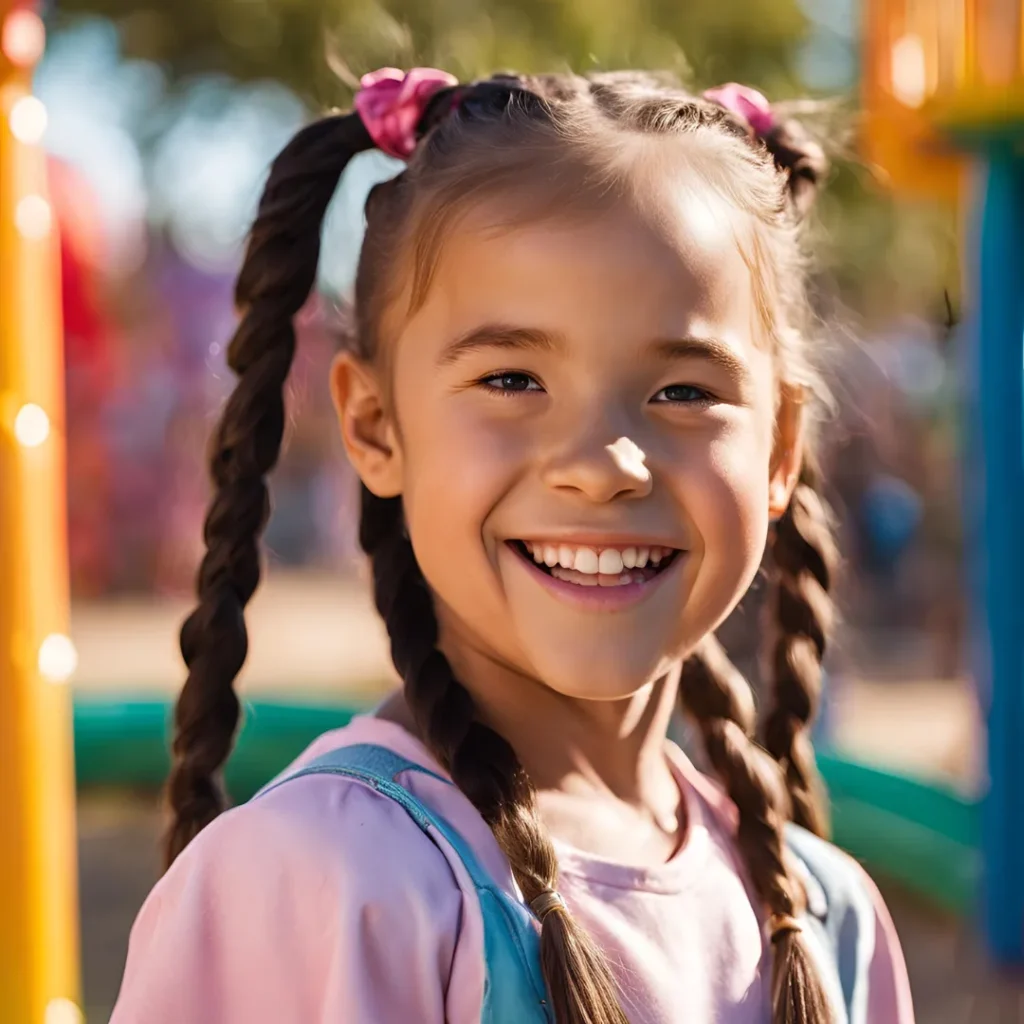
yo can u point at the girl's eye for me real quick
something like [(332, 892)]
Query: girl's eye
[(510, 382), (683, 394)]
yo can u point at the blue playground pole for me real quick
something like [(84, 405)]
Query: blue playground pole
[(998, 533)]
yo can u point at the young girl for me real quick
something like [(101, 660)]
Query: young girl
[(581, 402)]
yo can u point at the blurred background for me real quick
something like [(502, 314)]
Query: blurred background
[(161, 123), (161, 129)]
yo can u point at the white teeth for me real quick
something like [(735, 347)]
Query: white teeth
[(581, 580), (607, 562), (586, 561)]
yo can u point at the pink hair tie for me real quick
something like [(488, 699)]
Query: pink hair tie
[(391, 104), (745, 103)]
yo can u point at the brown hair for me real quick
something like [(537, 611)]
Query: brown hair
[(477, 140)]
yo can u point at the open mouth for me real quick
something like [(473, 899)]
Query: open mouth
[(596, 566)]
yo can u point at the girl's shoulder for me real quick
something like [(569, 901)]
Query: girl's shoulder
[(330, 826), (846, 911), (309, 797), (316, 895), (825, 865)]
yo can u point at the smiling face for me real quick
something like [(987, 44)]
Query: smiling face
[(582, 422)]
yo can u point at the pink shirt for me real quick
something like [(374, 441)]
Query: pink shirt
[(322, 901)]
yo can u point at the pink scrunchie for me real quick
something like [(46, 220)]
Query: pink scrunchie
[(746, 104), (391, 103)]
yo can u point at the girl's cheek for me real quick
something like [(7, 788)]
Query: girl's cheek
[(724, 486), (467, 450), (457, 468)]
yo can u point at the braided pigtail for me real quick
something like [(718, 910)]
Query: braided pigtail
[(803, 546), (717, 696), (803, 160), (793, 151), (804, 554), (483, 765), (275, 280)]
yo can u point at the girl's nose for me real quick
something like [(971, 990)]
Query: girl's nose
[(600, 472)]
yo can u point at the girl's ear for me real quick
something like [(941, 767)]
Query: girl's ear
[(788, 453), (367, 428)]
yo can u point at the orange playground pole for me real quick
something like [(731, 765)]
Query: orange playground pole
[(38, 875)]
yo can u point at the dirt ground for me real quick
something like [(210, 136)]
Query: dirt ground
[(318, 637), (118, 863)]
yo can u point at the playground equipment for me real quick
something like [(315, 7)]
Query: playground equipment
[(944, 91), (38, 928)]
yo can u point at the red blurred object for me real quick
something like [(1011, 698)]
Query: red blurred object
[(90, 360), (87, 335)]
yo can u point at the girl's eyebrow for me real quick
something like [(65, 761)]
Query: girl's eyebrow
[(504, 336), (711, 350), (507, 336)]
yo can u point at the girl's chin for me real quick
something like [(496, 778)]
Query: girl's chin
[(612, 664)]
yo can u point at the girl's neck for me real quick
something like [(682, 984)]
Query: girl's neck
[(603, 781), (570, 744), (564, 742)]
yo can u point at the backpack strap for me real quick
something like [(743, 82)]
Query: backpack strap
[(841, 919), (514, 990)]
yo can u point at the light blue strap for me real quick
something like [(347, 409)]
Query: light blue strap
[(514, 991), (841, 916), (377, 767)]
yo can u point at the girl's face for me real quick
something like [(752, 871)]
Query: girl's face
[(587, 434)]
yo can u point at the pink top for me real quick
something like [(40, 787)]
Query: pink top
[(324, 902)]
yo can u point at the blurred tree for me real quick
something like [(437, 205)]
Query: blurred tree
[(289, 40), (875, 254)]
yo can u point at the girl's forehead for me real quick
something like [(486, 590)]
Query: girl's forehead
[(665, 266)]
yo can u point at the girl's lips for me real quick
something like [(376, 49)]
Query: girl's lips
[(595, 598)]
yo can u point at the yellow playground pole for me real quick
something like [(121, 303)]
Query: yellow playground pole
[(38, 874)]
